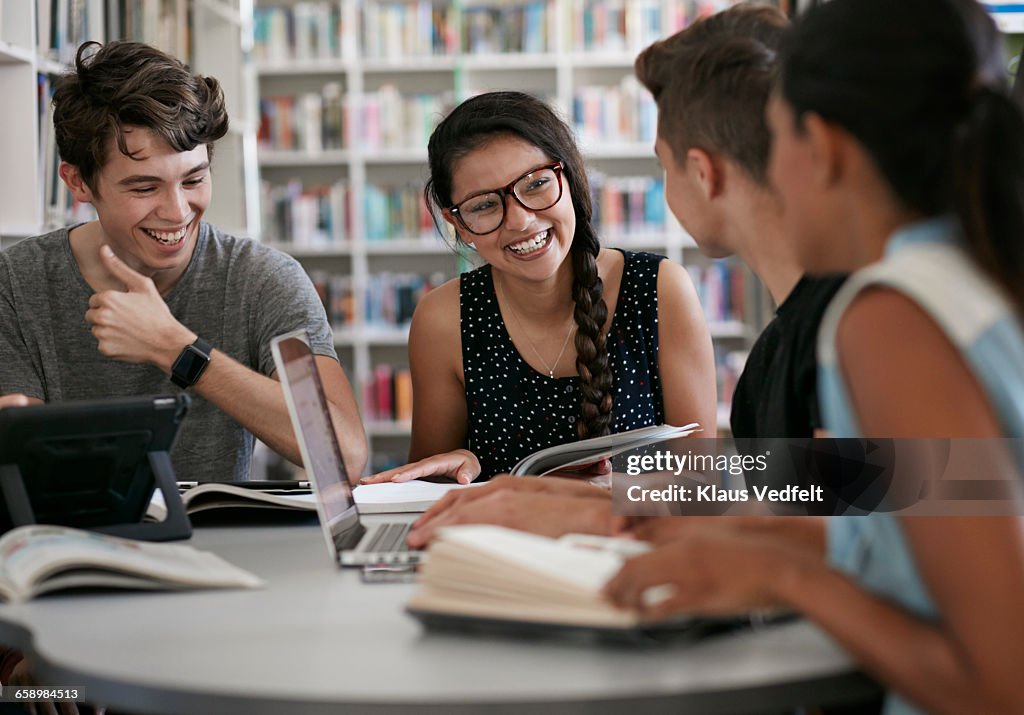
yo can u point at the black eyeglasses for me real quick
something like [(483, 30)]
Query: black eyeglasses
[(536, 190)]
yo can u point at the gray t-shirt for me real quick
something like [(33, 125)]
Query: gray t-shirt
[(236, 294)]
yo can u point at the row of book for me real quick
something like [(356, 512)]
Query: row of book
[(59, 207), (336, 293), (318, 215), (311, 122), (396, 30), (625, 205), (387, 394), (622, 113), (302, 32), (617, 25), (306, 216), (723, 289), (391, 298), (420, 28), (396, 212), (500, 29), (390, 119), (388, 300)]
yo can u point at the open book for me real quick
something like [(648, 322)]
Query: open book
[(391, 497), (39, 559), (588, 451), (493, 579)]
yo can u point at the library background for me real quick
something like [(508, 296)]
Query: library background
[(331, 105)]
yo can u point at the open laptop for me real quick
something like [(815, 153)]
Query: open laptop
[(350, 542)]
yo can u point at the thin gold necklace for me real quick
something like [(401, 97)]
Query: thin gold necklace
[(550, 368)]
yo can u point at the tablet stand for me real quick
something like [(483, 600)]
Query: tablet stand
[(176, 524)]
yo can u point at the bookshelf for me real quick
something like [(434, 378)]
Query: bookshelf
[(349, 92), (38, 41)]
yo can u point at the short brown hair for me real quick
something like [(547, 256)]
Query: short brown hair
[(712, 81), (130, 83)]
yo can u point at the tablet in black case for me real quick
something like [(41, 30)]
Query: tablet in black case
[(92, 465)]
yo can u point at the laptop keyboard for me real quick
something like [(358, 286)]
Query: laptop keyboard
[(387, 538)]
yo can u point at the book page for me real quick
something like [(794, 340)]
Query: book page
[(586, 451), (31, 554), (585, 568)]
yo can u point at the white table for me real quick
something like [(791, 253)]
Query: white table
[(317, 639)]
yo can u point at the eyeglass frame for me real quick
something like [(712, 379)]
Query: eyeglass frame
[(505, 191)]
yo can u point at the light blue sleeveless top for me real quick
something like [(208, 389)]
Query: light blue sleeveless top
[(925, 262)]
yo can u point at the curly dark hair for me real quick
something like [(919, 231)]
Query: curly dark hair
[(470, 126), (132, 84)]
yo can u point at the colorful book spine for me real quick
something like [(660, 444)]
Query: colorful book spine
[(722, 289), (627, 205), (302, 32), (396, 212), (392, 120), (400, 30), (624, 113), (507, 28), (310, 122), (306, 216), (387, 394), (337, 296), (391, 298)]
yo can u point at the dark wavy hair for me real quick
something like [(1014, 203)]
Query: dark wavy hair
[(469, 127), (921, 85), (132, 84), (712, 81)]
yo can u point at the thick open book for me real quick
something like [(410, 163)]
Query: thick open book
[(39, 559), (588, 451), (391, 497), (492, 579)]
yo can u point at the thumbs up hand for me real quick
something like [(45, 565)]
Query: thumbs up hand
[(135, 325)]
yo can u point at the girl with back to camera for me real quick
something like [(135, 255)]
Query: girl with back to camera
[(899, 155), (554, 339)]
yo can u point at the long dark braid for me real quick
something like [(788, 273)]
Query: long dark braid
[(477, 121)]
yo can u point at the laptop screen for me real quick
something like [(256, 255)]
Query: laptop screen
[(311, 419)]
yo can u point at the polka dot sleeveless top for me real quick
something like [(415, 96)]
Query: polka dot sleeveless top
[(515, 410)]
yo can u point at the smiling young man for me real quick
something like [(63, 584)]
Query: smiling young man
[(149, 299)]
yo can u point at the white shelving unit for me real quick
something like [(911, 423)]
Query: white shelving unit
[(221, 34), (556, 73)]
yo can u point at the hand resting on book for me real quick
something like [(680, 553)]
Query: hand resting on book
[(712, 570), (550, 507), (460, 464)]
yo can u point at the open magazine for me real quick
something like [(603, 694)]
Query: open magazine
[(38, 559), (589, 451), (493, 579), (391, 497)]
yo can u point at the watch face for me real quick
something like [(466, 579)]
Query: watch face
[(189, 366)]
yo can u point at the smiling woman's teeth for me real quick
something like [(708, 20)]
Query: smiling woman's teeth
[(530, 245), (168, 239)]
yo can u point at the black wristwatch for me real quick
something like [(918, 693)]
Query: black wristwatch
[(191, 363)]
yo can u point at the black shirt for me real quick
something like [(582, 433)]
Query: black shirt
[(777, 393), (514, 410)]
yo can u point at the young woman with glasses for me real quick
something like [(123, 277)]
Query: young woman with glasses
[(555, 339)]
